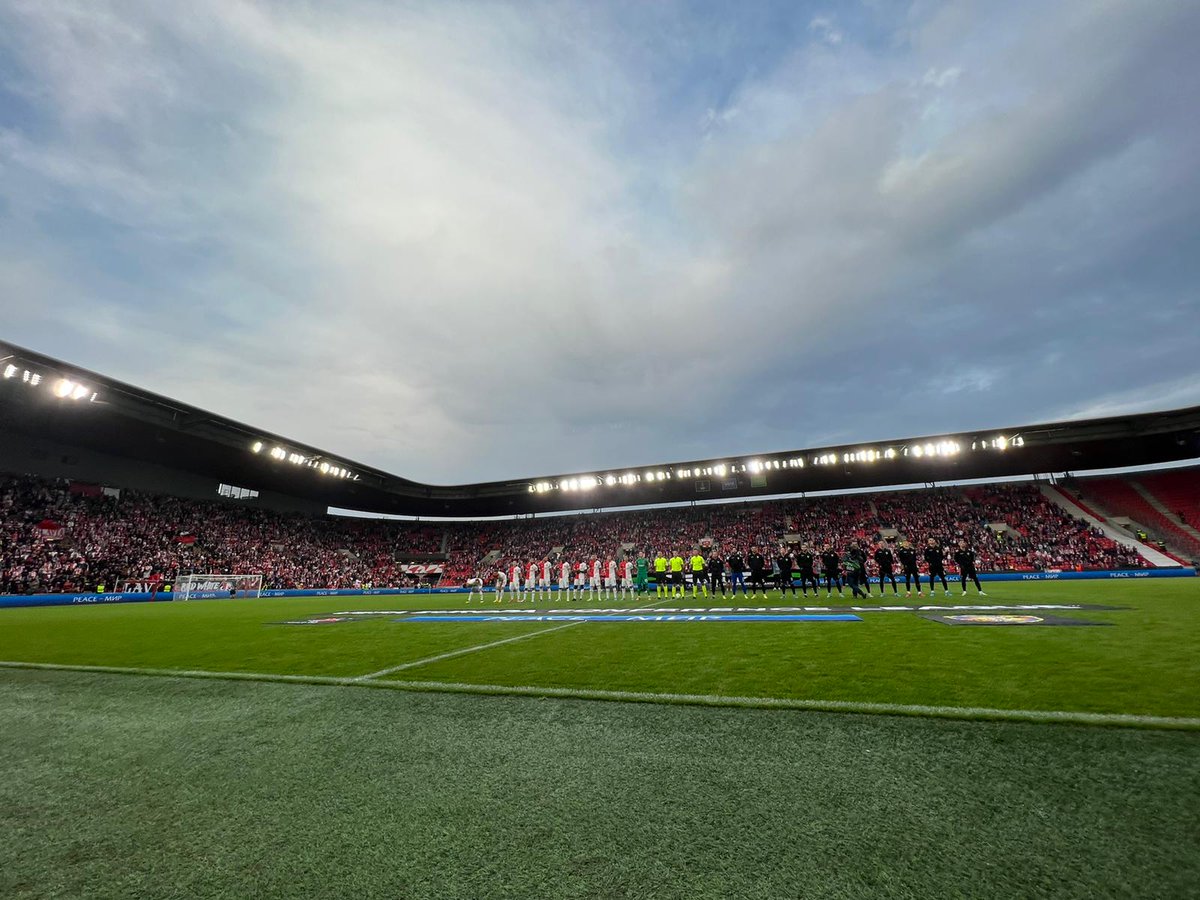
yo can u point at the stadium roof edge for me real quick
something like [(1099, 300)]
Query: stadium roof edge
[(127, 420)]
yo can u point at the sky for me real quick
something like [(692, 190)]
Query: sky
[(477, 241)]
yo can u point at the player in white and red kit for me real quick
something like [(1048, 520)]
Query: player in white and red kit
[(626, 578), (564, 579), (514, 581), (501, 584), (580, 579), (544, 581), (596, 585), (610, 579), (531, 580)]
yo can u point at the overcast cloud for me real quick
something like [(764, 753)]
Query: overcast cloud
[(478, 241)]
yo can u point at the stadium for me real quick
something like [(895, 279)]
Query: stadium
[(605, 452)]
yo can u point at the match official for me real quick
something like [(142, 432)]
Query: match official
[(964, 557), (886, 560), (908, 564), (935, 559)]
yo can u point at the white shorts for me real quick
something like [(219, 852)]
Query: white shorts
[(515, 584), (594, 582), (580, 580), (626, 582), (544, 582), (610, 582)]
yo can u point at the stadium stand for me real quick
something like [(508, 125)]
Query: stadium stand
[(1167, 503), (58, 536)]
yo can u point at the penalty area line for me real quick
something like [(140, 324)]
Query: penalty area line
[(968, 713)]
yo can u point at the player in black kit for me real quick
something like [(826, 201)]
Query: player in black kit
[(806, 562), (964, 556), (833, 571), (758, 571), (886, 560), (908, 564), (783, 562), (935, 558), (716, 573), (737, 573)]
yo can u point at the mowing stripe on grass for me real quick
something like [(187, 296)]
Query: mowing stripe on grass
[(847, 706), (453, 653)]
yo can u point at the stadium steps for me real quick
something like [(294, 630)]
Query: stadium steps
[(1063, 499), (1165, 511), (1117, 495)]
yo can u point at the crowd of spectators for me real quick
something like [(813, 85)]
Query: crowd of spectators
[(56, 536)]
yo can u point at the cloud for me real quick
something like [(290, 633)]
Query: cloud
[(486, 241), (825, 31), (940, 78)]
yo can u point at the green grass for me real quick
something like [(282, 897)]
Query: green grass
[(1145, 664), (132, 786), (119, 786)]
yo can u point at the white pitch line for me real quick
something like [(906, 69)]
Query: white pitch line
[(973, 713), (453, 653)]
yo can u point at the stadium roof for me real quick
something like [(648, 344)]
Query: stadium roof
[(45, 397)]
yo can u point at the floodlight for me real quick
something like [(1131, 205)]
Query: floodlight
[(610, 480), (63, 388), (10, 370), (256, 447)]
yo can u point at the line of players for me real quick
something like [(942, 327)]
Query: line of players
[(752, 573)]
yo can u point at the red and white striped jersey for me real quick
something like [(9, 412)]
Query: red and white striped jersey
[(532, 576), (546, 569), (565, 571), (581, 568), (627, 569), (514, 575), (595, 568)]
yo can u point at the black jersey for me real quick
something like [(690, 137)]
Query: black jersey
[(908, 558), (830, 562), (885, 559), (783, 562), (736, 563), (805, 561), (758, 562), (859, 555), (716, 565), (935, 557), (965, 558)]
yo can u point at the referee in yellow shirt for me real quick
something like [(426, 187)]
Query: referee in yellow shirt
[(660, 574), (676, 575), (698, 564)]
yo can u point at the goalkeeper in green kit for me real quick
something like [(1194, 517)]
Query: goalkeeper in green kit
[(641, 578)]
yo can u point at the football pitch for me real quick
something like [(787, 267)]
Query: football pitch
[(413, 745)]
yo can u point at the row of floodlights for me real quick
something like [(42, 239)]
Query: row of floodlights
[(933, 449), (299, 459), (63, 388)]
